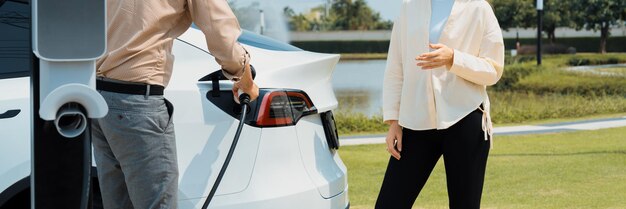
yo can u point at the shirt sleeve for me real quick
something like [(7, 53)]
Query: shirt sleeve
[(393, 80), (486, 68), (221, 29)]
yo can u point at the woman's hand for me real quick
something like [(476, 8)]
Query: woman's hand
[(442, 56), (394, 139)]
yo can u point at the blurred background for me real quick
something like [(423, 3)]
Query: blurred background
[(576, 33), (582, 78)]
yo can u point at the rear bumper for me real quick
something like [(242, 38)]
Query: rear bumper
[(305, 200)]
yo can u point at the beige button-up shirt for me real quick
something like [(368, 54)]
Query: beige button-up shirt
[(141, 35), (439, 98)]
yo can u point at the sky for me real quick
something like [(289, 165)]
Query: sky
[(387, 8)]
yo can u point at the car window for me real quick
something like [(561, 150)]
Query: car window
[(264, 42), (260, 41), (15, 52)]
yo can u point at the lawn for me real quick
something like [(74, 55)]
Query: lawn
[(585, 169)]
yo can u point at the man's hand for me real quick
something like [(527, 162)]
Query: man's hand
[(394, 139), (442, 56), (247, 85)]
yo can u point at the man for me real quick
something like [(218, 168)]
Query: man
[(134, 144)]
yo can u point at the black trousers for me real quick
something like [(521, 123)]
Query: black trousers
[(464, 151)]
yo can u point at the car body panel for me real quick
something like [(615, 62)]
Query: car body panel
[(282, 177), (14, 131), (324, 167), (303, 70)]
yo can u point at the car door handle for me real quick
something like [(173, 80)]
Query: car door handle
[(10, 114)]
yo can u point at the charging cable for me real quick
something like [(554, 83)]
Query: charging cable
[(244, 101)]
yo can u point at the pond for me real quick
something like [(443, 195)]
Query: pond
[(358, 86), (606, 70)]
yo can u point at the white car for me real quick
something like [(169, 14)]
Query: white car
[(287, 154)]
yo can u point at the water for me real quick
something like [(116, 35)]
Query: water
[(598, 69), (358, 86)]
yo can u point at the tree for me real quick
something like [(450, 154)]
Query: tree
[(343, 15), (355, 15), (514, 13), (523, 14), (557, 13), (297, 22), (598, 15)]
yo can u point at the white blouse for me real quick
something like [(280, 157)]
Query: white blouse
[(439, 98)]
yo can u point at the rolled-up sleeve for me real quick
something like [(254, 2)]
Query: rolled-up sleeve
[(393, 80), (221, 28), (486, 68)]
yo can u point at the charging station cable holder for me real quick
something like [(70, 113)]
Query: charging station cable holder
[(68, 36)]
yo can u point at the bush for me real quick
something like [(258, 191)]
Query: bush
[(584, 44), (596, 60), (519, 59), (354, 123), (546, 49), (563, 82), (519, 107), (581, 44), (343, 46), (513, 73)]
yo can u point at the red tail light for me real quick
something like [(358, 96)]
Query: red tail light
[(284, 108)]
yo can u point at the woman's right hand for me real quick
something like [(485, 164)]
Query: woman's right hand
[(394, 139)]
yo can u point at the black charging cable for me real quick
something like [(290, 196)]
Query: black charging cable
[(244, 101)]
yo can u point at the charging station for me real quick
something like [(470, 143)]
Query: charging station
[(68, 37)]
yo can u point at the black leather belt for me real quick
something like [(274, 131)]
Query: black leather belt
[(129, 88)]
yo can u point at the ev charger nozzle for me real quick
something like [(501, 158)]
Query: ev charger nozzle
[(71, 121), (244, 99)]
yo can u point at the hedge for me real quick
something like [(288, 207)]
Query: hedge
[(585, 44), (339, 47), (582, 44)]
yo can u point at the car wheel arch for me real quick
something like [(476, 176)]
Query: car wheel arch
[(14, 190), (23, 185)]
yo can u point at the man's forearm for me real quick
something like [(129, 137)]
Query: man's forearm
[(221, 28)]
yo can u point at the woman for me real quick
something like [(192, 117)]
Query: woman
[(443, 55)]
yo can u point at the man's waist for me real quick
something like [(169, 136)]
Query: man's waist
[(127, 87)]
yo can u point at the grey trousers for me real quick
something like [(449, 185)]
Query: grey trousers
[(135, 151)]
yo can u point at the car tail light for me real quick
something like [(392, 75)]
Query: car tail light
[(284, 108)]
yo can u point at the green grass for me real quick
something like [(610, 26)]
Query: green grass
[(516, 107), (584, 169)]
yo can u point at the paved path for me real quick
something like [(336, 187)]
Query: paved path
[(514, 130)]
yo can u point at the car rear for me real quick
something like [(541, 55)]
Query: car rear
[(291, 123)]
